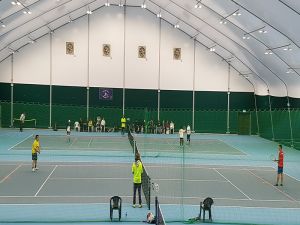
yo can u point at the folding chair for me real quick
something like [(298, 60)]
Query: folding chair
[(206, 206), (115, 203), (77, 126)]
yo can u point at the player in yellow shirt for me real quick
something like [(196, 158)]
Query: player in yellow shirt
[(123, 124), (35, 149), (137, 170)]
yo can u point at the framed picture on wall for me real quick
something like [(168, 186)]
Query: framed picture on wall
[(106, 50), (177, 53), (142, 51), (70, 48)]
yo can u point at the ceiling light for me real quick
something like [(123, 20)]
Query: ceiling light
[(25, 12), (223, 21), (2, 24), (107, 4), (13, 2), (158, 15), (18, 3), (89, 12), (144, 6), (121, 5), (177, 24), (248, 38)]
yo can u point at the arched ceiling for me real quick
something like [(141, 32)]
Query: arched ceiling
[(247, 55)]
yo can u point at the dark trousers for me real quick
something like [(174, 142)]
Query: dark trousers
[(181, 141), (123, 131), (188, 137), (137, 186), (172, 131), (21, 126)]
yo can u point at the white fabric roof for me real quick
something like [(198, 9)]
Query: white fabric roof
[(268, 72)]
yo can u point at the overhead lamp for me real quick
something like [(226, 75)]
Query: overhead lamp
[(262, 31), (120, 4), (198, 5), (70, 19), (107, 3), (144, 5), (245, 75), (26, 12), (12, 51), (246, 36), (292, 70), (176, 26), (2, 24), (237, 13), (268, 52), (15, 3), (223, 21), (158, 15), (212, 49), (287, 48)]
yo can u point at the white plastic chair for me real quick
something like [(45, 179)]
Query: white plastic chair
[(77, 125)]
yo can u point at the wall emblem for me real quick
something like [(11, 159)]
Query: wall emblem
[(70, 48), (142, 51), (106, 50), (177, 53)]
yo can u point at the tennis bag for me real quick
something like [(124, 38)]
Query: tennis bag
[(151, 218)]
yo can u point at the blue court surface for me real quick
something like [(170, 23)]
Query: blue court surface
[(76, 179)]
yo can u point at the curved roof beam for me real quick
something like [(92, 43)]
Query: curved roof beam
[(236, 42), (211, 40)]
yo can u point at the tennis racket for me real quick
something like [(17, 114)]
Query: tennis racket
[(39, 150), (273, 158)]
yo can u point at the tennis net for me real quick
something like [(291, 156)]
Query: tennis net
[(146, 180), (159, 216)]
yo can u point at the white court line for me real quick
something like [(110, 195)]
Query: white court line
[(287, 174), (232, 184), (171, 167), (20, 142), (100, 178), (172, 197), (234, 147), (45, 181)]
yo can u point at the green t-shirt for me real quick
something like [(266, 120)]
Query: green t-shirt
[(137, 171)]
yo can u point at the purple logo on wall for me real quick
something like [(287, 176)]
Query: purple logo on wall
[(106, 94)]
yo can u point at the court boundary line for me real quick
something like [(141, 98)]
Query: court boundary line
[(10, 173), (273, 186), (20, 142), (73, 142), (234, 147), (107, 178), (45, 181), (232, 184), (129, 196)]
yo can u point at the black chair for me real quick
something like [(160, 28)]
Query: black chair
[(115, 203), (206, 206)]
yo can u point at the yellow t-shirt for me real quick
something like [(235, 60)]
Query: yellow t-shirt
[(35, 145), (123, 121), (90, 123), (137, 171)]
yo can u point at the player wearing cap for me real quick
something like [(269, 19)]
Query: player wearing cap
[(68, 129), (22, 119), (123, 124)]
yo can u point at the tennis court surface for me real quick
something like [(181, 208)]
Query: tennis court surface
[(76, 179)]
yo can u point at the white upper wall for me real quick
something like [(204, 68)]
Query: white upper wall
[(31, 64), (5, 71), (107, 27), (88, 66), (71, 70)]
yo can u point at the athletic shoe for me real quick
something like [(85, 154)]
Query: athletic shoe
[(36, 168), (140, 206), (33, 170), (133, 205), (281, 184), (275, 184)]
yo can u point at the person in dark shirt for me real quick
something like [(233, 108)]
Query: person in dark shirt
[(81, 125)]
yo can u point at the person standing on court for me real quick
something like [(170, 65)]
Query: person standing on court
[(181, 131), (123, 124), (172, 127), (103, 125), (35, 149), (22, 119), (68, 129), (280, 166), (188, 132), (137, 170)]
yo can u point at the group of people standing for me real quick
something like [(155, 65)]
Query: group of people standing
[(151, 127)]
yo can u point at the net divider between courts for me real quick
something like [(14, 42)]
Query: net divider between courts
[(146, 180), (160, 220)]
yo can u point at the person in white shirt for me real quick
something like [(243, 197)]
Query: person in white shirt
[(188, 132), (22, 119), (98, 123), (172, 127), (68, 129), (103, 125), (181, 131)]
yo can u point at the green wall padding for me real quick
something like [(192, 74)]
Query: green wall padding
[(64, 95), (32, 93), (265, 126), (211, 121), (179, 117), (5, 114), (207, 100), (5, 92), (111, 115), (138, 98), (281, 124), (176, 99), (242, 100)]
